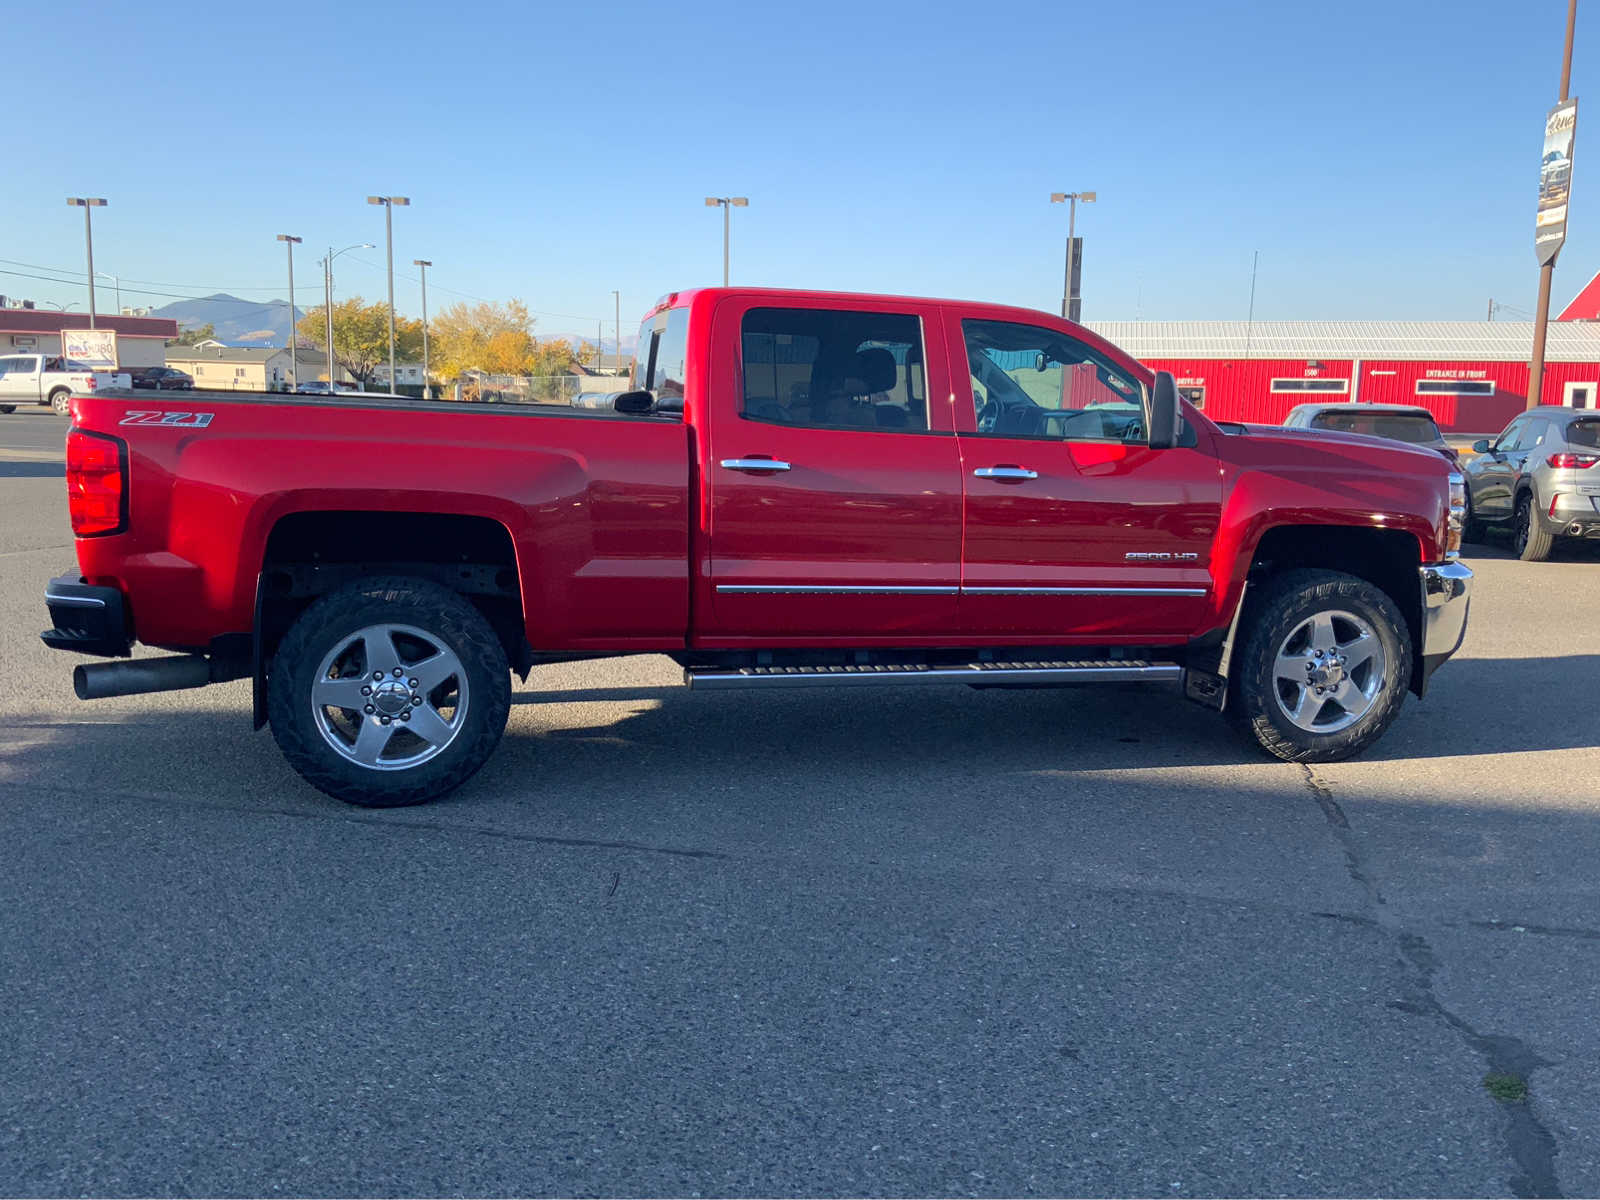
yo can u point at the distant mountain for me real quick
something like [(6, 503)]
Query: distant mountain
[(235, 320)]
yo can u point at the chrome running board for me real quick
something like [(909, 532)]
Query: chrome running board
[(1129, 670)]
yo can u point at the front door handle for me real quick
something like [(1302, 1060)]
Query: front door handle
[(1008, 473), (759, 465)]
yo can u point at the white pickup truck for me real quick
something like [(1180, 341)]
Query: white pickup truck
[(50, 379)]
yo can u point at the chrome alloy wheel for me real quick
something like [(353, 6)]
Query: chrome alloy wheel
[(1328, 672), (389, 697)]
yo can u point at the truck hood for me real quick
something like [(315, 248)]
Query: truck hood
[(1298, 441)]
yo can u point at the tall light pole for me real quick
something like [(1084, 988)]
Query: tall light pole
[(327, 303), (388, 203), (1071, 306), (290, 241), (726, 203), (88, 203), (116, 282), (424, 264), (617, 296), (1547, 271)]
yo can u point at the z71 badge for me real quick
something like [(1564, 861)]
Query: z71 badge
[(181, 420)]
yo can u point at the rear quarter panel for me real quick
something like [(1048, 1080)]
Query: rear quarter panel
[(597, 506)]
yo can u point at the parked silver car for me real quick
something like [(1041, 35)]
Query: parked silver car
[(1541, 476)]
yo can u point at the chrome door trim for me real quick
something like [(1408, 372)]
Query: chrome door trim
[(1082, 591), (784, 589)]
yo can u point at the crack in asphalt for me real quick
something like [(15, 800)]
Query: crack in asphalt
[(1532, 1147), (357, 818), (1566, 931)]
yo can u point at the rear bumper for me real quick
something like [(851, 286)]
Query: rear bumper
[(1446, 596), (1575, 514), (86, 619)]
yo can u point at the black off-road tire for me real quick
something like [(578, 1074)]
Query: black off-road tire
[(396, 600), (8, 408), (1529, 538), (1282, 605), (61, 401)]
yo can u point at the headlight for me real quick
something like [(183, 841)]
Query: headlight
[(1458, 515)]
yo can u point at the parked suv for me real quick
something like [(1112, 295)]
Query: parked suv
[(1409, 423), (1541, 476)]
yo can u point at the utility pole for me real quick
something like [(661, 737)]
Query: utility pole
[(617, 296), (424, 264), (291, 242), (1071, 306), (388, 203), (88, 203), (1547, 271)]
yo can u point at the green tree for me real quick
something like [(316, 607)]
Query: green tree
[(361, 336), (195, 335)]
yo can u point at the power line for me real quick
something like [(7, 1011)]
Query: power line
[(152, 282)]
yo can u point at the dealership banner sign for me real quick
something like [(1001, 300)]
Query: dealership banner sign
[(1555, 181), (95, 348)]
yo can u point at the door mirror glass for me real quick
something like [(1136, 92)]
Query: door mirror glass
[(635, 403), (1164, 412), (1481, 446)]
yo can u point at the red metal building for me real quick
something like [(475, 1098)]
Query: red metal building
[(1472, 375)]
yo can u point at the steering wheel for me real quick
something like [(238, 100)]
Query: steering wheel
[(988, 416)]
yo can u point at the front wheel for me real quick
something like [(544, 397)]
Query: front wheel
[(1325, 667), (8, 408), (389, 692), (1528, 537), (61, 401)]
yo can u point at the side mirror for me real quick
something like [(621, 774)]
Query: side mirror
[(1481, 446), (1039, 361), (635, 403), (1163, 423)]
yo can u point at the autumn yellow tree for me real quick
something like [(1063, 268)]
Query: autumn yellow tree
[(361, 336)]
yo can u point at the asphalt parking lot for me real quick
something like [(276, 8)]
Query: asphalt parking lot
[(933, 941)]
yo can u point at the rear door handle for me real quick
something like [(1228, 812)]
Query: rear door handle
[(1006, 473), (759, 465)]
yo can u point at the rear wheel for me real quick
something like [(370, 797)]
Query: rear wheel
[(8, 408), (1528, 537), (389, 692), (61, 401), (1325, 667)]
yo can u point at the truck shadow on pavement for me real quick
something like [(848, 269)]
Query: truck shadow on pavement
[(621, 741), (33, 470)]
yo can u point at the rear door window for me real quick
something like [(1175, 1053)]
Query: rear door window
[(833, 369)]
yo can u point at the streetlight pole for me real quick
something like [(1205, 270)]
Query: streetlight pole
[(424, 264), (116, 282), (88, 203), (291, 242), (617, 296), (388, 203), (726, 203), (1547, 271), (1070, 310), (327, 303)]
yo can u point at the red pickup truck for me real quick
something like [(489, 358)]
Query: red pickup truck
[(803, 488)]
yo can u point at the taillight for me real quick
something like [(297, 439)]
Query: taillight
[(1456, 518), (97, 483), (1573, 462)]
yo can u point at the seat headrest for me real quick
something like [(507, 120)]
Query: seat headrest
[(875, 367)]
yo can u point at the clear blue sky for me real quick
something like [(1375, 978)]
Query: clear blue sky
[(1382, 157)]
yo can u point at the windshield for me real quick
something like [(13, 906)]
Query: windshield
[(1416, 428)]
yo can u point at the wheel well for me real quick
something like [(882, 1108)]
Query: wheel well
[(312, 553), (1386, 558)]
